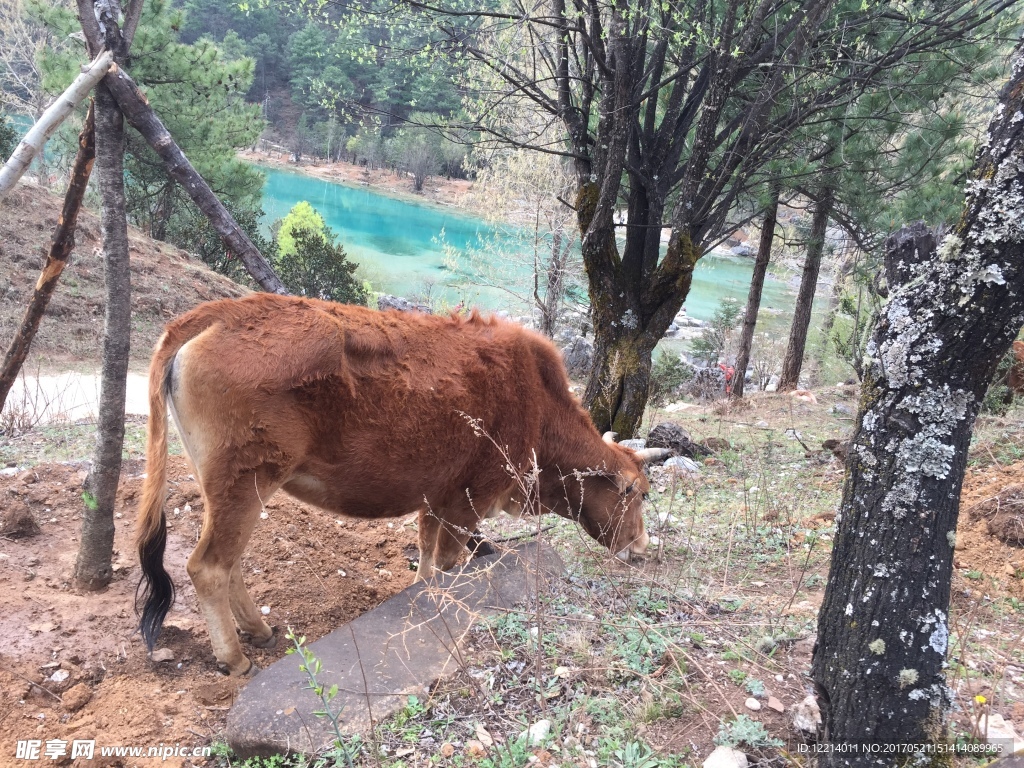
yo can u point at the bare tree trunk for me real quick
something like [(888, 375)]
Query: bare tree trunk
[(764, 255), (143, 119), (883, 633), (92, 569), (794, 360), (49, 121), (61, 245)]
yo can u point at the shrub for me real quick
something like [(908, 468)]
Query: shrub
[(319, 268), (714, 337), (668, 375)]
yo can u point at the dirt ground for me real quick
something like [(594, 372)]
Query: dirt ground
[(166, 281), (112, 691), (293, 565)]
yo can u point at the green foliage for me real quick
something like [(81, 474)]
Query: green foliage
[(738, 676), (668, 375), (199, 94), (714, 337), (743, 730), (755, 687), (311, 263), (8, 139), (302, 216), (999, 396), (635, 754)]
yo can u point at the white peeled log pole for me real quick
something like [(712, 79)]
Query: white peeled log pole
[(51, 119)]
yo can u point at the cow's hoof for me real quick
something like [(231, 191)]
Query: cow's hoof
[(269, 642), (241, 671)]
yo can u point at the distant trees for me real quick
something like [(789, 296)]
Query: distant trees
[(199, 94), (8, 137), (673, 113)]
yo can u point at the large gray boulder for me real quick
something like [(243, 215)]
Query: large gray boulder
[(386, 301), (579, 356)]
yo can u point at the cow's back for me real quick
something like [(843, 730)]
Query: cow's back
[(370, 413)]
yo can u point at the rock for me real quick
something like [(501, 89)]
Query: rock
[(996, 731), (418, 615), (16, 522), (682, 465), (60, 676), (634, 445), (475, 749), (716, 444), (726, 757), (537, 732), (762, 424), (76, 697), (162, 654), (743, 250), (27, 477), (676, 439), (807, 716), (752, 704), (838, 448), (804, 395), (402, 305), (578, 355), (1009, 570), (841, 409), (776, 705)]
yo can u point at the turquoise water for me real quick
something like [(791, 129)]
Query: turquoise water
[(397, 243)]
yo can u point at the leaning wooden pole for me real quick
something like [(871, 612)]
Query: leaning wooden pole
[(61, 245), (51, 119), (142, 118)]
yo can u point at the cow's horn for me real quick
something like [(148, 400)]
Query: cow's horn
[(609, 437), (653, 454)]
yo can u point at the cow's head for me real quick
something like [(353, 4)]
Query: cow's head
[(607, 501)]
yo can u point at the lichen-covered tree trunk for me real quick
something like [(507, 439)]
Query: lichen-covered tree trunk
[(619, 383), (794, 359), (93, 569), (953, 311), (764, 255)]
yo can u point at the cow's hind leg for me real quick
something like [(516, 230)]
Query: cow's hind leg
[(230, 517), (249, 619), (453, 538)]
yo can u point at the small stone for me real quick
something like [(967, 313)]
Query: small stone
[(265, 610), (726, 757), (997, 731), (1009, 570), (807, 716), (27, 477), (76, 697), (562, 672), (60, 676), (537, 732), (775, 704), (475, 748), (752, 704), (162, 654), (447, 749)]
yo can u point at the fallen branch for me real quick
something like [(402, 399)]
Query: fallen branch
[(143, 119), (51, 119), (61, 245)]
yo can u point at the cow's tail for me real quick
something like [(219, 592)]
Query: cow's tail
[(155, 594)]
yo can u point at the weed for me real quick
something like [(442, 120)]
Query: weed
[(743, 730), (738, 676)]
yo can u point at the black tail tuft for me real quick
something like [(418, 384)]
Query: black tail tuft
[(156, 590)]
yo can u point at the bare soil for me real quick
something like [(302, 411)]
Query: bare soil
[(166, 281), (112, 690)]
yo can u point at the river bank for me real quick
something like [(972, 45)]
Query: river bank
[(437, 190)]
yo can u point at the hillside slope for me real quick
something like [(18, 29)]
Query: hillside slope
[(166, 281)]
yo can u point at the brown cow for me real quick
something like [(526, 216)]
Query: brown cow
[(369, 414), (1015, 375)]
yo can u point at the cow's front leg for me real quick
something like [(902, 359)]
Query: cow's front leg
[(428, 525)]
